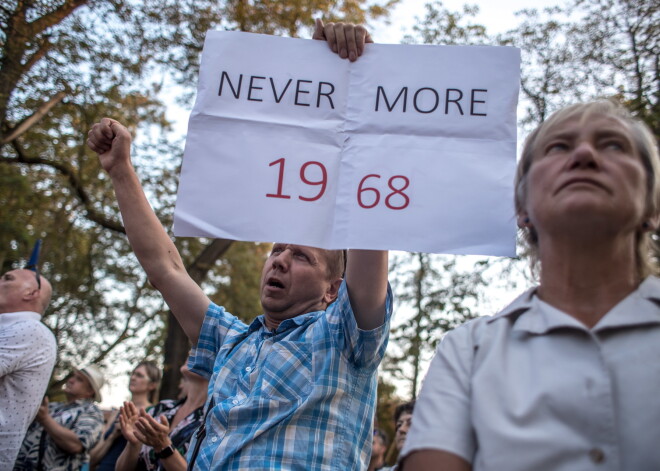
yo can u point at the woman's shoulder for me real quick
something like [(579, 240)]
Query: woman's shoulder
[(163, 406)]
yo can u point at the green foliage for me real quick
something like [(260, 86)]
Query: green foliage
[(590, 49), (546, 50), (242, 271), (443, 26), (434, 295), (619, 44), (385, 405)]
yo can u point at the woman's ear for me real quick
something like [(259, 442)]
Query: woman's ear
[(651, 224), (523, 220)]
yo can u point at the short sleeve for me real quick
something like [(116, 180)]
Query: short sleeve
[(442, 416), (364, 348), (217, 326), (89, 427)]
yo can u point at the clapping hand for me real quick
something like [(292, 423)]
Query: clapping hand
[(128, 416), (152, 432)]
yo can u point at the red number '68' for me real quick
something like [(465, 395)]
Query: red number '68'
[(397, 191)]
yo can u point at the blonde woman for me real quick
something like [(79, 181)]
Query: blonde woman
[(143, 386), (567, 376)]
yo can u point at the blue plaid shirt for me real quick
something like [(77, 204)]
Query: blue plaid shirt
[(301, 397)]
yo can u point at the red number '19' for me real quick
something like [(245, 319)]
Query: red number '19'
[(362, 190), (398, 191), (323, 181)]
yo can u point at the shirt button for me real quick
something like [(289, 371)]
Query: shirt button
[(214, 439), (248, 369), (597, 455), (235, 401)]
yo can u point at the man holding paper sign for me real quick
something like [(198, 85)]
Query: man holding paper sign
[(295, 389)]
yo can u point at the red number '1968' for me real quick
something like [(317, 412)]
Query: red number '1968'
[(367, 196)]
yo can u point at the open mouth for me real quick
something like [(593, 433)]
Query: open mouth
[(273, 283)]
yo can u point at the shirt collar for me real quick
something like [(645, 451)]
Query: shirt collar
[(73, 404), (638, 308), (260, 322), (11, 317)]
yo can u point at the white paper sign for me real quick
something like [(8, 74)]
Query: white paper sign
[(409, 148)]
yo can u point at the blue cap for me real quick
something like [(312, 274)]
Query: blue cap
[(34, 258)]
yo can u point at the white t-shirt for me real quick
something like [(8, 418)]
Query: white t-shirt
[(532, 388), (27, 357)]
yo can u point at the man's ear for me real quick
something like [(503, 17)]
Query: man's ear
[(332, 291), (30, 294)]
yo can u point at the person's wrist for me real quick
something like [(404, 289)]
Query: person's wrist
[(46, 421), (162, 445), (121, 170), (164, 453)]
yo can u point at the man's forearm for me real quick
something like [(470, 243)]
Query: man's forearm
[(157, 253), (64, 438), (366, 281), (152, 246)]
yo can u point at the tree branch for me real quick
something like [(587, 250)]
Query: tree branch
[(126, 332), (205, 260), (66, 170), (54, 17), (31, 120)]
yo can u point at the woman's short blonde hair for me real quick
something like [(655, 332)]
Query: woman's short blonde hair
[(645, 145)]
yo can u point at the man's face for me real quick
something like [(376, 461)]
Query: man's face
[(78, 387), (402, 427), (378, 448), (14, 286), (295, 281)]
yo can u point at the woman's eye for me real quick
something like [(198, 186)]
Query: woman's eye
[(614, 145), (556, 147)]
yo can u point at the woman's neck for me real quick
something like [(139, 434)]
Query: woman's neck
[(141, 400), (587, 280)]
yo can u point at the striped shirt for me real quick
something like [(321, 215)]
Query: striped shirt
[(301, 397), (83, 417)]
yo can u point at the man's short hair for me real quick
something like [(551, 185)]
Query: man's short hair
[(336, 263)]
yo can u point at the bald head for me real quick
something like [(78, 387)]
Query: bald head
[(19, 291)]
